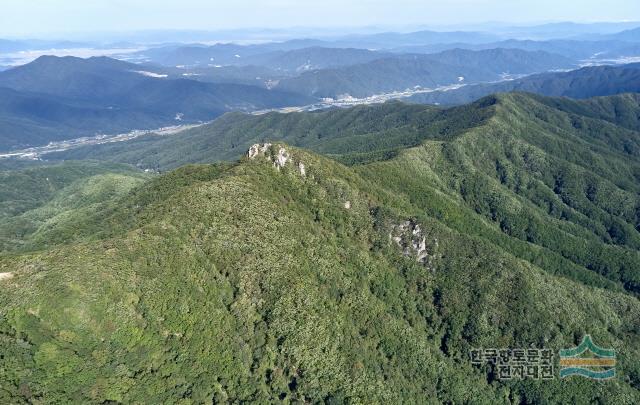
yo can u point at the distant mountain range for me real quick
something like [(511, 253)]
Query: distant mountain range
[(339, 65), (388, 40), (287, 277), (300, 60), (581, 83), (234, 54), (56, 98), (573, 49), (174, 83), (59, 98), (329, 255), (575, 41), (632, 35), (428, 71), (292, 55), (563, 30), (218, 54)]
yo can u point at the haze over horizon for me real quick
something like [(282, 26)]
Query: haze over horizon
[(320, 202), (22, 19)]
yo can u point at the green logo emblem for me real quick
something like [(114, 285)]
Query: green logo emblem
[(588, 360)]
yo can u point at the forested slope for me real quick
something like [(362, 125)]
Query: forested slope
[(290, 277)]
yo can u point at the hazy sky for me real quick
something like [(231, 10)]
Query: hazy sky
[(31, 17)]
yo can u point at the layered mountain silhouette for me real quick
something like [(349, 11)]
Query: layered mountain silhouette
[(581, 83), (60, 98)]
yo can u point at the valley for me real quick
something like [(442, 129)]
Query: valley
[(424, 208), (38, 152)]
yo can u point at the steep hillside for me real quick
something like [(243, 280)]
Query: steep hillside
[(41, 204), (560, 189), (28, 188), (602, 130), (289, 277)]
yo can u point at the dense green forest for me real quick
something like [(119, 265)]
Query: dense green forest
[(358, 134), (362, 272)]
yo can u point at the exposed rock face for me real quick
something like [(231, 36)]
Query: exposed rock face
[(410, 237), (5, 276), (257, 149), (279, 160), (347, 205), (282, 158)]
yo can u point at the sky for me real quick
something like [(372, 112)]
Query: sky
[(33, 17)]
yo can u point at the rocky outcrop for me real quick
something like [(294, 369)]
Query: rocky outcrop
[(302, 169), (279, 159), (411, 238), (258, 149)]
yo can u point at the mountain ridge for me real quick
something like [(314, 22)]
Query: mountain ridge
[(412, 71), (116, 96), (289, 322), (582, 83)]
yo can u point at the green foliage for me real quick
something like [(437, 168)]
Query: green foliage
[(553, 195), (49, 204), (358, 135), (248, 283)]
